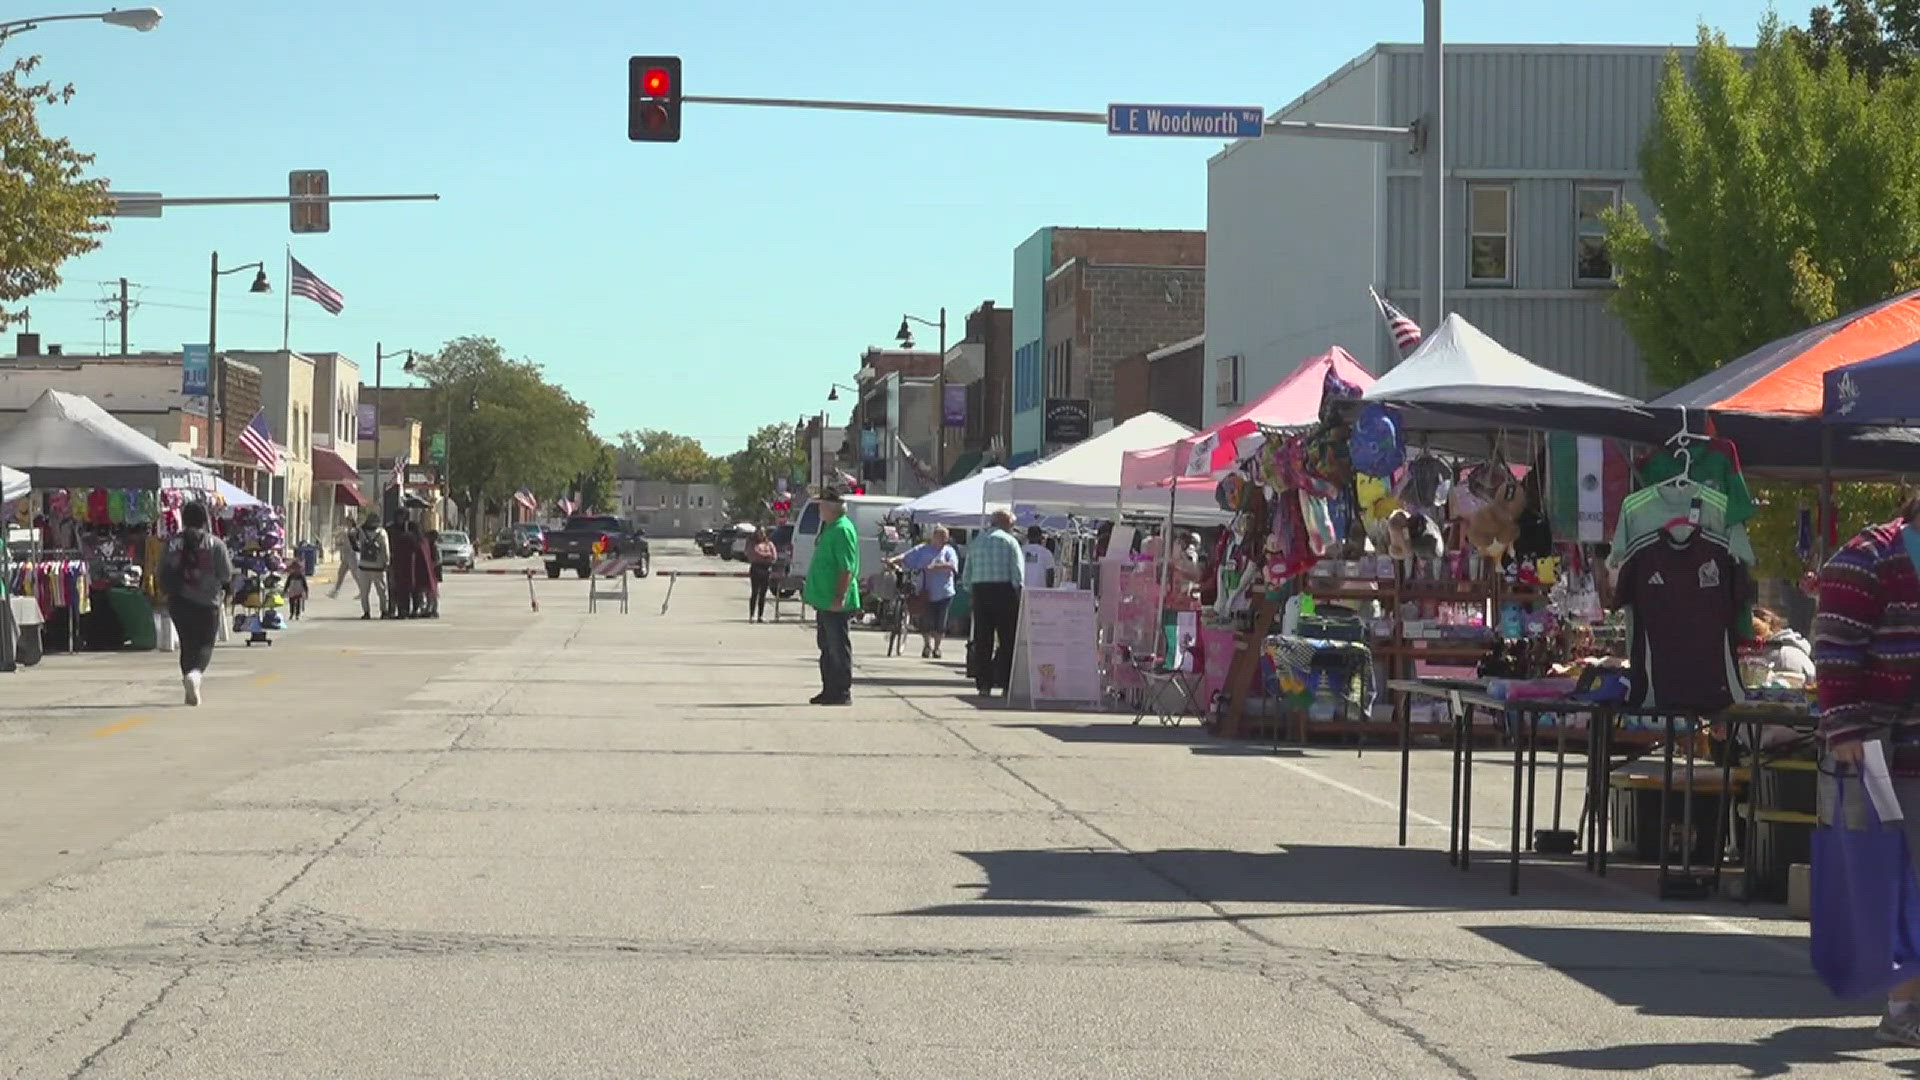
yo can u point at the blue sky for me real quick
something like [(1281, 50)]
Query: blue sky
[(707, 287)]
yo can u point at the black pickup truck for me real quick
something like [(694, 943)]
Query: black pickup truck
[(587, 539)]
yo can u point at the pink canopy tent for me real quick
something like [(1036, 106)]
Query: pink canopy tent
[(1205, 455)]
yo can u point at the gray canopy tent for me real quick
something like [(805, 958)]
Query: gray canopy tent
[(66, 440)]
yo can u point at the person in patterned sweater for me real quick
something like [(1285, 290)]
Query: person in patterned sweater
[(1866, 656)]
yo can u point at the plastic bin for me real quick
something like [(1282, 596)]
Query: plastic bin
[(135, 613)]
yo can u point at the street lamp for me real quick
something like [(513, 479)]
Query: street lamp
[(217, 413), (446, 461), (859, 448), (379, 412), (905, 337), (140, 18)]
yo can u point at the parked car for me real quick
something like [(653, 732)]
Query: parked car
[(734, 540), (708, 540), (517, 541), (869, 513), (586, 537), (456, 550)]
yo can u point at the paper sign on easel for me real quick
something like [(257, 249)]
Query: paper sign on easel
[(1055, 660)]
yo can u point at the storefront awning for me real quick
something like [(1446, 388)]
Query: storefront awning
[(347, 493), (330, 467)]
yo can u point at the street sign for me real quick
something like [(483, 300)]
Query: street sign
[(1189, 121), (135, 203)]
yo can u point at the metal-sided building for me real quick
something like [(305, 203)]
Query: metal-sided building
[(1539, 139)]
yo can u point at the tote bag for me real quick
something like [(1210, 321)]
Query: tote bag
[(1865, 905)]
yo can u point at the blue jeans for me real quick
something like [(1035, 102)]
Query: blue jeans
[(836, 652)]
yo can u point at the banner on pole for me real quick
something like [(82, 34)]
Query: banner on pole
[(196, 370)]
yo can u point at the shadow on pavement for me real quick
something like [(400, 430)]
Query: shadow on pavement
[(999, 910), (1321, 876), (1656, 973), (1778, 1054), (1148, 733)]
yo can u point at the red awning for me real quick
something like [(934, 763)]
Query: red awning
[(330, 467), (347, 493)]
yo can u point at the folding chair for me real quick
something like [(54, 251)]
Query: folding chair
[(1160, 676), (788, 583)]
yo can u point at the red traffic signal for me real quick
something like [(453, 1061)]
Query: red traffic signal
[(653, 99)]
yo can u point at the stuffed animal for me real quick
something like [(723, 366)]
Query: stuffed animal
[(1400, 534), (1493, 528), (1424, 536)]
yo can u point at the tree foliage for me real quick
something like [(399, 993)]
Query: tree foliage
[(1873, 38), (510, 427), (51, 209), (772, 454), (1786, 193), (663, 455), (599, 484)]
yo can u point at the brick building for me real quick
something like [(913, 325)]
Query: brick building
[(989, 428), (1168, 380), (1084, 300)]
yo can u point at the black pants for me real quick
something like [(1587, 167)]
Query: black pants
[(196, 625), (836, 652), (996, 613), (759, 579)]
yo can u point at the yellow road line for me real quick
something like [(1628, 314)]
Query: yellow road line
[(125, 725), (269, 677)]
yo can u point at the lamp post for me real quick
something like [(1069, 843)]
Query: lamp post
[(379, 413), (853, 423), (446, 448), (216, 375), (140, 18), (905, 337)]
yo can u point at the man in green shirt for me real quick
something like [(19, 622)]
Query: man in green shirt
[(833, 592)]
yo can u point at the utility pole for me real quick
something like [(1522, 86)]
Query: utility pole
[(1433, 180), (123, 316)]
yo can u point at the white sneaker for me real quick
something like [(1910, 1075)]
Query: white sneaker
[(192, 679)]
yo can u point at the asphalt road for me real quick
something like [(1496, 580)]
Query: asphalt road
[(519, 844)]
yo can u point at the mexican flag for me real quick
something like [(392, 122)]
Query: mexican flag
[(1588, 479)]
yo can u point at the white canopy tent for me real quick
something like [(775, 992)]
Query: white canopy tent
[(13, 484), (962, 503), (66, 440), (1084, 478), (1461, 379)]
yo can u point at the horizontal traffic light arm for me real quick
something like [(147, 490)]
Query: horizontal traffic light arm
[(131, 202), (1365, 132)]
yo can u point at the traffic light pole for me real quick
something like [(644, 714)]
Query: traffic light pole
[(144, 205), (1426, 136)]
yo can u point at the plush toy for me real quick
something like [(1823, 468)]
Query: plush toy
[(1424, 537), (1400, 534), (1493, 528)]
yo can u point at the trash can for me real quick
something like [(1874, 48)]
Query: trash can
[(309, 557)]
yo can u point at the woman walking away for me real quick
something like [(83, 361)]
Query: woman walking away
[(196, 574), (938, 565), (761, 555)]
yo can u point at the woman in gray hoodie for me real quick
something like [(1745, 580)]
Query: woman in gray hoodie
[(196, 574)]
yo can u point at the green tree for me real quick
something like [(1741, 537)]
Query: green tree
[(599, 485), (1788, 192), (663, 455), (1786, 195), (772, 454), (1874, 38), (52, 210), (510, 427)]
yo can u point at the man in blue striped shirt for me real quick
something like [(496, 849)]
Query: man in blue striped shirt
[(996, 571)]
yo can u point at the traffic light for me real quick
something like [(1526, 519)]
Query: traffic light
[(309, 217), (653, 99)]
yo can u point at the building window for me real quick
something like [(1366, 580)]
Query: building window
[(1490, 240), (1226, 380), (1592, 265), (1060, 370)]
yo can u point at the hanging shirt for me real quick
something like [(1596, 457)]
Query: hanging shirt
[(1685, 602), (1710, 467), (1647, 513)]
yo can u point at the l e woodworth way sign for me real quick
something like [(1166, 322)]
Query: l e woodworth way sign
[(1193, 121)]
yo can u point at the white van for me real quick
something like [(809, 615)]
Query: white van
[(867, 512)]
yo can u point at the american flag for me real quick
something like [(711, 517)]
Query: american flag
[(257, 439), (1406, 332), (308, 284), (526, 500), (566, 507)]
